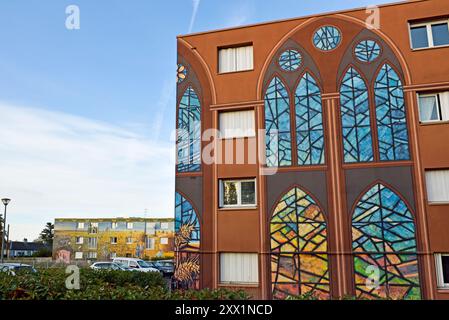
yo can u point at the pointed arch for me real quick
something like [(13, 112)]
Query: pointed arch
[(189, 132), (355, 118), (309, 122), (384, 244), (299, 251), (391, 118), (277, 124), (187, 243)]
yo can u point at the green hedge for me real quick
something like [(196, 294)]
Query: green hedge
[(49, 284)]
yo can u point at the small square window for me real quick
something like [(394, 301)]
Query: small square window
[(79, 240), (237, 193), (129, 240), (80, 225), (429, 108), (113, 240), (248, 192), (419, 37), (78, 255), (442, 266), (164, 241), (440, 34), (129, 225), (114, 225)]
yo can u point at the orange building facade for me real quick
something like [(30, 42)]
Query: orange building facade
[(340, 187)]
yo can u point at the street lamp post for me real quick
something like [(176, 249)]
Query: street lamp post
[(5, 202)]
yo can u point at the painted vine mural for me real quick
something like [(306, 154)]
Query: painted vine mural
[(187, 244)]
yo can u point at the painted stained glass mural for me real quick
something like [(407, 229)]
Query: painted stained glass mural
[(189, 132), (327, 38), (290, 60), (299, 259), (187, 244), (384, 244), (367, 50), (390, 115), (355, 118), (309, 122), (277, 125)]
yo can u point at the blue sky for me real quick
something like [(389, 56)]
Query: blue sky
[(87, 115)]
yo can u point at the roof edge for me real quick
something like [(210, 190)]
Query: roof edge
[(296, 18)]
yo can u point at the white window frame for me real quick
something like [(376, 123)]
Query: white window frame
[(114, 225), (164, 226), (164, 241), (149, 240), (79, 255), (239, 194), (439, 270), (129, 225), (95, 241), (79, 240), (236, 47), (236, 282), (428, 24), (129, 240), (92, 255), (80, 225), (437, 97), (114, 240), (245, 133)]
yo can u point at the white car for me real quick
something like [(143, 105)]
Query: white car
[(107, 265), (135, 264)]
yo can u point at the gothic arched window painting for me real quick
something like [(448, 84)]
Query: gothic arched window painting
[(187, 244), (390, 115), (299, 258), (384, 247), (355, 118), (309, 122), (277, 125), (189, 132)]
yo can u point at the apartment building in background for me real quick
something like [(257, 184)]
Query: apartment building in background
[(105, 239), (349, 191)]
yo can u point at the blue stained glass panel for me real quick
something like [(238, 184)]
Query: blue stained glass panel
[(189, 132), (290, 60), (327, 38), (309, 122), (355, 118), (391, 116), (367, 50), (277, 125)]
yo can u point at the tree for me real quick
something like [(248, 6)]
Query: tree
[(47, 234)]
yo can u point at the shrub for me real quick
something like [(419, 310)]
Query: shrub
[(49, 284)]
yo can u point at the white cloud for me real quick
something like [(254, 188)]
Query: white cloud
[(196, 5), (59, 165)]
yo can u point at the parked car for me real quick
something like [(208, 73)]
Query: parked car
[(135, 264), (15, 268), (167, 267), (107, 265)]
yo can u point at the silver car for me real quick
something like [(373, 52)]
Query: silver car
[(15, 268)]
